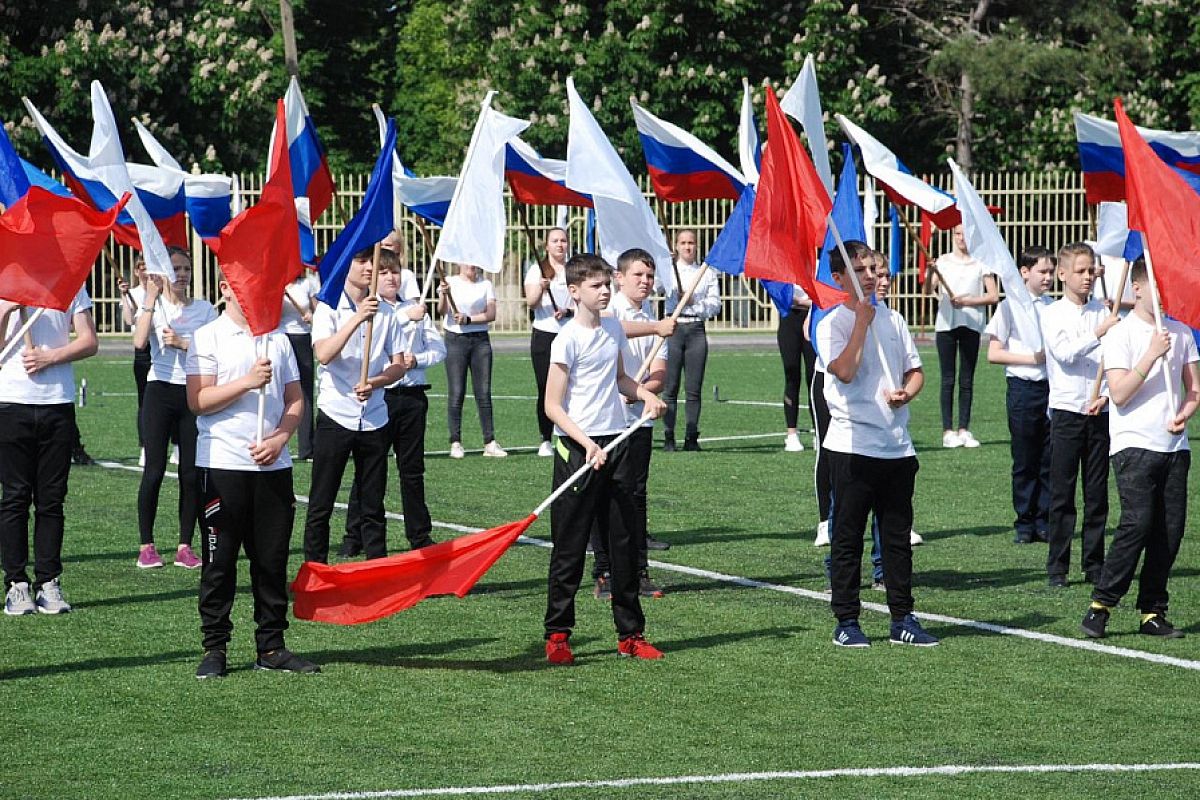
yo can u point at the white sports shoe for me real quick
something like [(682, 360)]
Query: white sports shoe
[(968, 439), (493, 450), (914, 539), (50, 599), (456, 450), (19, 600), (951, 439), (822, 539), (545, 450), (792, 443)]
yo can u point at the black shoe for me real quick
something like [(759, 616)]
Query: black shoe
[(1058, 581), (668, 444), (421, 543), (691, 445), (350, 548), (1092, 576), (1041, 536), (80, 457), (212, 665), (1094, 622), (656, 544), (1023, 538), (647, 587), (1158, 626), (284, 660)]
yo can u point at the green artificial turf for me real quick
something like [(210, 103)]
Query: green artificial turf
[(101, 703)]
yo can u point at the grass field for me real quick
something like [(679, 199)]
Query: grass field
[(101, 703)]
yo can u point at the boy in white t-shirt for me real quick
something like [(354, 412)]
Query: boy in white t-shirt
[(873, 464), (584, 394), (37, 429), (245, 482), (1026, 400), (1145, 367)]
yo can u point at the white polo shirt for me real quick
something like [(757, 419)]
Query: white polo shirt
[(470, 298), (543, 312), (225, 350), (427, 345), (50, 386), (1142, 421), (1072, 352), (706, 300), (590, 355), (860, 420), (1003, 329), (964, 277), (338, 378), (636, 349), (166, 362)]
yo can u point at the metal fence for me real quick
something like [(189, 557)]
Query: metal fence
[(1046, 209)]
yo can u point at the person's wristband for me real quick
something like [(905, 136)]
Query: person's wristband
[(147, 310)]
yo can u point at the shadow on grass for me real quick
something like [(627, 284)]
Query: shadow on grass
[(93, 664), (424, 656), (719, 534), (793, 579), (496, 587), (154, 597), (1032, 621), (979, 530), (955, 581), (722, 639)]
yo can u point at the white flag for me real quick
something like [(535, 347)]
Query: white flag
[(748, 136), (802, 102)]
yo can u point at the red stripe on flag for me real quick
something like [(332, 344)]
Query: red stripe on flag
[(673, 187)]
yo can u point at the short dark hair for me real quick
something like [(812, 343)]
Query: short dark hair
[(633, 256), (388, 259), (1138, 271), (582, 266), (854, 249), (1033, 254)]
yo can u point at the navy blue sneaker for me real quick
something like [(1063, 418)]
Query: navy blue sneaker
[(848, 634), (909, 631)]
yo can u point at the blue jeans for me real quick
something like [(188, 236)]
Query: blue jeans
[(469, 351)]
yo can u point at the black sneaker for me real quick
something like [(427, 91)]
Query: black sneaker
[(80, 457), (428, 541), (1092, 576), (1094, 622), (284, 660), (1023, 538), (691, 445), (668, 444), (350, 548), (212, 665), (603, 589), (1058, 581), (656, 544), (647, 587), (1158, 626)]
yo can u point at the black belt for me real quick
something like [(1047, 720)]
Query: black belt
[(424, 387)]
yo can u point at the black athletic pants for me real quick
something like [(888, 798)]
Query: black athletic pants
[(1029, 433), (1077, 441), (539, 353), (302, 348), (141, 369), (640, 445), (961, 343), (799, 363), (824, 485), (689, 353), (165, 415)]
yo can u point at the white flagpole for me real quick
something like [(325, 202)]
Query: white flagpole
[(625, 434), (1158, 323), (19, 334), (262, 395)]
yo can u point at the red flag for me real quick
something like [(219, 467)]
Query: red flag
[(259, 250), (1167, 211), (48, 245), (364, 591), (790, 213), (926, 239)]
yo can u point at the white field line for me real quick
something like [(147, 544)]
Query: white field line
[(950, 770), (737, 580)]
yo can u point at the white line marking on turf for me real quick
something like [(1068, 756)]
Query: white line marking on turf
[(949, 770), (737, 580)]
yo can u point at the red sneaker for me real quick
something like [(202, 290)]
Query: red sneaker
[(636, 646), (558, 650)]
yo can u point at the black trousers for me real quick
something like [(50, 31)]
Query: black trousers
[(141, 369), (302, 348), (35, 461), (408, 407), (688, 354), (165, 414), (863, 484), (962, 343), (334, 445), (539, 353), (821, 478), (1077, 442), (469, 351), (799, 363), (1029, 434), (640, 446), (1153, 491), (255, 511), (605, 494)]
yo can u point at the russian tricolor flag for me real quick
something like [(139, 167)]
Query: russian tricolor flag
[(312, 182), (162, 194), (537, 181), (681, 166), (167, 187), (1103, 160)]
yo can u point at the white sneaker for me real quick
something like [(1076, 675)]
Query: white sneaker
[(50, 599), (175, 455), (951, 439), (493, 450), (792, 443), (456, 450), (19, 600), (141, 456), (822, 539), (545, 450), (967, 439), (915, 539)]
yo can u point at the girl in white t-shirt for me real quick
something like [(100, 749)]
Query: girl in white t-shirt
[(547, 296), (959, 326), (166, 321), (469, 348)]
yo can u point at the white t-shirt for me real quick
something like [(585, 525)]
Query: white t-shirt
[(636, 349), (706, 300), (424, 341), (166, 362), (338, 378), (301, 292), (543, 312), (52, 330), (964, 277), (471, 298), (1003, 329), (860, 420), (590, 355), (1072, 352), (1142, 421), (223, 349)]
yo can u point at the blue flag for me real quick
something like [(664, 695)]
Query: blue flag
[(369, 226), (728, 253), (896, 243), (1133, 247), (847, 215), (13, 181)]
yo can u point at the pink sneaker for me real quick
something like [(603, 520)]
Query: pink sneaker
[(149, 558), (184, 557)]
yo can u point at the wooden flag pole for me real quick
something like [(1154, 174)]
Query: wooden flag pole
[(366, 354), (666, 229), (543, 262), (18, 337), (435, 268), (27, 328), (929, 259), (658, 340), (1114, 312)]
